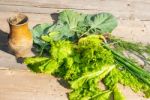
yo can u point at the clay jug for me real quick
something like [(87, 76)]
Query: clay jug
[(20, 38)]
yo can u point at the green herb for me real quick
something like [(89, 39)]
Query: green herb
[(138, 49), (137, 78), (77, 51)]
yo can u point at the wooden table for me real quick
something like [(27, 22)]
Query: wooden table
[(17, 83)]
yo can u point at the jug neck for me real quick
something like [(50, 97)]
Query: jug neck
[(19, 26), (18, 22)]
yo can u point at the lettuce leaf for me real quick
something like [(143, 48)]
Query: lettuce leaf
[(82, 65), (101, 74), (36, 64)]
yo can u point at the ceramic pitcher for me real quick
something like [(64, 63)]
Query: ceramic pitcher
[(20, 38)]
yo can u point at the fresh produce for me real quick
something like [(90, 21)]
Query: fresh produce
[(72, 25), (83, 65), (75, 48)]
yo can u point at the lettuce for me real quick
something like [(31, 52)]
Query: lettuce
[(83, 65), (101, 74)]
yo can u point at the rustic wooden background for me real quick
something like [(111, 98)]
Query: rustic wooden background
[(17, 83)]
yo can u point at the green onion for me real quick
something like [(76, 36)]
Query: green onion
[(130, 66)]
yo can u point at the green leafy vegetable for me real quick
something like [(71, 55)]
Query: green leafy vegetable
[(133, 75), (77, 51), (36, 63), (101, 73), (101, 23), (71, 19), (39, 30), (83, 65), (73, 25)]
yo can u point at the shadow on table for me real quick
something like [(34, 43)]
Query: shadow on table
[(63, 83), (4, 42), (4, 45), (54, 17)]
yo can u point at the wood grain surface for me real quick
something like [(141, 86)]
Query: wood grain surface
[(25, 85), (17, 83), (125, 9)]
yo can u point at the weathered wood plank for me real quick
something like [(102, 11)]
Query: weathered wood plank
[(120, 8), (133, 30), (140, 10), (24, 85), (8, 61), (75, 4), (33, 19), (30, 9)]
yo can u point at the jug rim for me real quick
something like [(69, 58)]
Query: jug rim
[(21, 22)]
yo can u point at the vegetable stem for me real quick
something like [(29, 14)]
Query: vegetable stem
[(134, 69)]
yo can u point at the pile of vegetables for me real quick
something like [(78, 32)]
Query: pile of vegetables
[(76, 49)]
